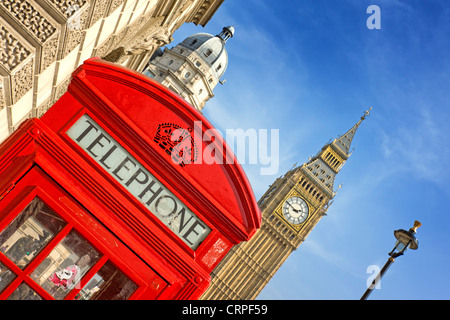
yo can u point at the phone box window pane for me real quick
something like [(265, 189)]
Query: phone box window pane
[(63, 268), (29, 232), (24, 292), (6, 277), (109, 283)]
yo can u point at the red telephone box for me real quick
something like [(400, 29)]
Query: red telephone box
[(107, 197)]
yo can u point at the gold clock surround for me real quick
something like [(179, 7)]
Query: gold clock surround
[(279, 211)]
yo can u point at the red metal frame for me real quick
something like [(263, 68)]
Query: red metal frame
[(35, 183), (129, 107)]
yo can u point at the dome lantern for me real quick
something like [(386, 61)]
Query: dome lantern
[(227, 33)]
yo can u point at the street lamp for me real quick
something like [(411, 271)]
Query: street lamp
[(405, 240)]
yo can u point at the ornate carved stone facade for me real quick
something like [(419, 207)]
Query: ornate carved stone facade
[(43, 41)]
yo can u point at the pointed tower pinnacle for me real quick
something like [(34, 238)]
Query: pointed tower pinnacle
[(343, 143), (323, 167)]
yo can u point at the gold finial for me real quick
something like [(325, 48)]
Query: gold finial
[(417, 224), (366, 114)]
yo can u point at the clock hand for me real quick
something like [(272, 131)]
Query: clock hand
[(293, 208)]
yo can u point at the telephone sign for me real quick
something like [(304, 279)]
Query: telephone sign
[(121, 165)]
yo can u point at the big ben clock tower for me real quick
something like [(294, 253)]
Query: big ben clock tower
[(291, 208)]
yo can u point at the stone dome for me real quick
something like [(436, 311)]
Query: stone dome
[(211, 49)]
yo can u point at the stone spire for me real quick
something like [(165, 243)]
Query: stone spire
[(343, 143), (323, 167)]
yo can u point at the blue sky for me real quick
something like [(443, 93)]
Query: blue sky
[(310, 68)]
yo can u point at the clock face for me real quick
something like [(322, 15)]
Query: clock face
[(295, 210)]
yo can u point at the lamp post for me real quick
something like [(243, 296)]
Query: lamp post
[(405, 240)]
